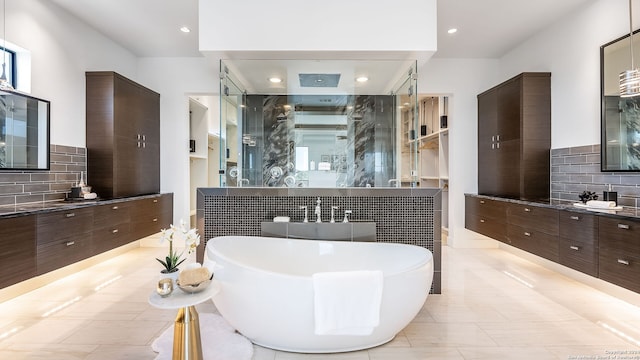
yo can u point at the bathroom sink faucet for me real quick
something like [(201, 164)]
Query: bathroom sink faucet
[(242, 181), (333, 213), (346, 216), (318, 211), (306, 219), (394, 181)]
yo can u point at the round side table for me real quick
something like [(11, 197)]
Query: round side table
[(186, 332)]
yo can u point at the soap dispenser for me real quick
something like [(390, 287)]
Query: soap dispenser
[(610, 195)]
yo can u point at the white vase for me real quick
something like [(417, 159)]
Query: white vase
[(172, 275)]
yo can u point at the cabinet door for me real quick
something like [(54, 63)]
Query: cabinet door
[(149, 127), (508, 154), (487, 132), (17, 249), (149, 216), (487, 217)]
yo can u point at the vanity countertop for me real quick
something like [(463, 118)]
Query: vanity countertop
[(40, 207), (626, 212)]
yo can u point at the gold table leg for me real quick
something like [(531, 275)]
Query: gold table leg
[(186, 335)]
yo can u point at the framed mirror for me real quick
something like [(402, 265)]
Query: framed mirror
[(24, 132), (620, 132)]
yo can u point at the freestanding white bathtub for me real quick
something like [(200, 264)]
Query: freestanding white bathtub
[(267, 288)]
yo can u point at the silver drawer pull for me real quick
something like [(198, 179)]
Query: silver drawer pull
[(115, 231), (481, 201), (155, 200), (527, 234), (623, 262), (575, 218), (574, 248), (623, 226), (482, 220), (71, 243), (115, 207), (155, 219), (527, 209), (70, 215)]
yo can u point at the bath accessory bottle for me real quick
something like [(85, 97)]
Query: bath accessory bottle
[(306, 219), (318, 210), (333, 213)]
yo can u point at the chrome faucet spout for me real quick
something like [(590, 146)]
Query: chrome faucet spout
[(346, 216), (242, 181), (306, 219), (333, 213), (394, 181)]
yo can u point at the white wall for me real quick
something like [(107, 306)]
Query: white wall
[(332, 25), (62, 49), (175, 79), (463, 80), (570, 50)]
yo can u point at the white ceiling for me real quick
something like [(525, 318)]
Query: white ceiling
[(486, 28)]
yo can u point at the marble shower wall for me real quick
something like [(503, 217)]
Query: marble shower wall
[(369, 155)]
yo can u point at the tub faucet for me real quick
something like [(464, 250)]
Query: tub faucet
[(396, 181), (242, 181), (333, 213), (306, 219), (318, 211), (346, 216)]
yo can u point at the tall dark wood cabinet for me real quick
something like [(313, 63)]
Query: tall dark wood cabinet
[(123, 136), (514, 138)]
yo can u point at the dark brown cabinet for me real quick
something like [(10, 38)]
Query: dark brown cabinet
[(63, 238), (533, 229), (578, 245), (514, 137), (110, 227), (149, 216), (619, 256), (123, 136), (487, 217), (17, 249)]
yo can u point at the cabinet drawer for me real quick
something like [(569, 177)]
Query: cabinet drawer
[(533, 241), (486, 208), (578, 255), (110, 237), (17, 249), (58, 225), (619, 234), (539, 218), (620, 268), (105, 215), (56, 254), (486, 226), (579, 227)]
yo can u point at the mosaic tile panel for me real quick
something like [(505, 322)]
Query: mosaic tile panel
[(410, 218)]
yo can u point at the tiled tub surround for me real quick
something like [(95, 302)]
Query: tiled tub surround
[(576, 169), (408, 216), (66, 163)]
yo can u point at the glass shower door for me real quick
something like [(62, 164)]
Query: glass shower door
[(232, 113), (406, 119)]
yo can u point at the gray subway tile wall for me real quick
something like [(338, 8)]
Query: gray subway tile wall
[(577, 169), (66, 163), (408, 216)]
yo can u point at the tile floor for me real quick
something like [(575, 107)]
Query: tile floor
[(494, 305)]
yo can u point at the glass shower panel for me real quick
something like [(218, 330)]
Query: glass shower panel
[(232, 114), (406, 114)]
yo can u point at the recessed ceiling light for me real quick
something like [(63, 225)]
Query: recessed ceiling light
[(452, 31), (275, 80), (185, 29), (362, 79)]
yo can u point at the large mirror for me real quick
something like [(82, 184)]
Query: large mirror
[(320, 124), (620, 145), (24, 132)]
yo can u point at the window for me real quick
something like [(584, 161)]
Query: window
[(10, 70)]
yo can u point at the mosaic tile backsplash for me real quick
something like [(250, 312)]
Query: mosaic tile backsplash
[(408, 216), (18, 187), (577, 169)]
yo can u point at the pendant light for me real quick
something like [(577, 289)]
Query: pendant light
[(4, 83), (630, 79)]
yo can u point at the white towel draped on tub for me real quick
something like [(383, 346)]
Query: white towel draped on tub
[(347, 303)]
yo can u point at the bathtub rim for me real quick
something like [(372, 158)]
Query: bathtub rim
[(428, 256)]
